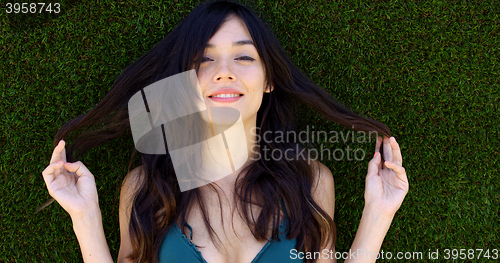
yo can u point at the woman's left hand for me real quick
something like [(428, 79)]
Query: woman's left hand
[(386, 183)]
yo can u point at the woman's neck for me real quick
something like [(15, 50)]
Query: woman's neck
[(233, 138)]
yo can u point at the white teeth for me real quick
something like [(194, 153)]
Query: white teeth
[(226, 95)]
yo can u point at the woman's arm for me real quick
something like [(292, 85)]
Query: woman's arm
[(72, 185), (90, 234), (386, 187), (93, 243), (385, 190), (370, 235)]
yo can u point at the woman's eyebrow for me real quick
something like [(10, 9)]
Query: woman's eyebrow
[(243, 42), (237, 43)]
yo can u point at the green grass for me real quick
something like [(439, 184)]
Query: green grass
[(429, 70)]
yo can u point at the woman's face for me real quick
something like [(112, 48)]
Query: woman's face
[(231, 73)]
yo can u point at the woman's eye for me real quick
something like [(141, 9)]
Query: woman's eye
[(205, 59), (247, 58), (244, 58)]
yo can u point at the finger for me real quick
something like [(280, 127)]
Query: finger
[(373, 165), (48, 173), (56, 154), (396, 152), (377, 150), (63, 153), (378, 144), (79, 168), (387, 149), (398, 169)]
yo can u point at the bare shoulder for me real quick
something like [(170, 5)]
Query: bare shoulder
[(132, 180), (323, 188), (129, 188), (322, 176)]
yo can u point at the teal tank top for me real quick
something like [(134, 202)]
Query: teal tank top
[(177, 248)]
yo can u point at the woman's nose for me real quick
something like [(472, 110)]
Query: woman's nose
[(224, 72)]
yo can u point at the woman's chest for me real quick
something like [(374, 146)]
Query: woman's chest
[(232, 239)]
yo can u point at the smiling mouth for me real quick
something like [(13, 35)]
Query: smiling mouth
[(226, 96)]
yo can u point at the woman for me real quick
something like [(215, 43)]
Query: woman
[(289, 201)]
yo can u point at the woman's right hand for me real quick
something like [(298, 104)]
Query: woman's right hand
[(72, 185)]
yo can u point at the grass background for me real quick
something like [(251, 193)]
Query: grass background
[(427, 69)]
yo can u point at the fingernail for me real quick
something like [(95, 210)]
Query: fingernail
[(60, 162), (375, 155)]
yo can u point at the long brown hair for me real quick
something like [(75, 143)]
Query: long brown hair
[(263, 180)]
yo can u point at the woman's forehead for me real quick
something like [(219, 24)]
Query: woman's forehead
[(232, 30)]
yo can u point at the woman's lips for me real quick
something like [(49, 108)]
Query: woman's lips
[(225, 99)]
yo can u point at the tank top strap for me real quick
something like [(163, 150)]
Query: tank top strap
[(190, 230)]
